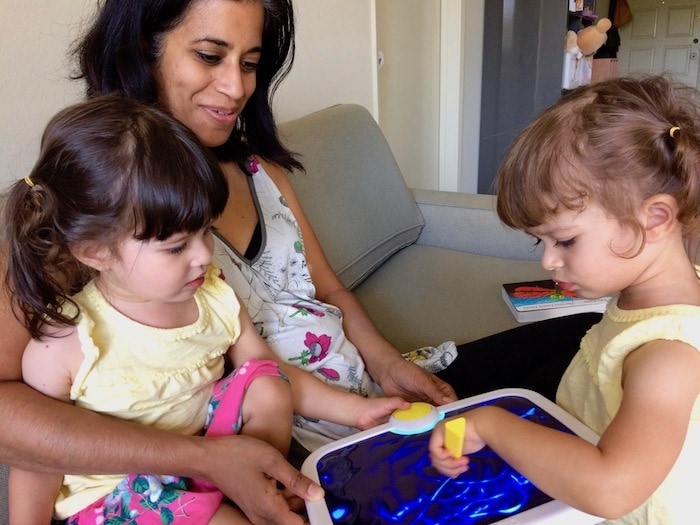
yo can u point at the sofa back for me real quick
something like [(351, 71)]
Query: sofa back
[(352, 190)]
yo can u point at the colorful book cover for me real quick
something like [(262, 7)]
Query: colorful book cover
[(536, 300)]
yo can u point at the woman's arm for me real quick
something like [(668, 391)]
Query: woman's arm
[(634, 455), (45, 435), (384, 363)]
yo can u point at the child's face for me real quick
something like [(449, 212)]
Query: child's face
[(157, 272), (581, 249)]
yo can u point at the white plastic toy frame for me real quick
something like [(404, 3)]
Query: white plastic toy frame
[(549, 512)]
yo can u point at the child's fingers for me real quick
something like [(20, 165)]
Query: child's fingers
[(379, 410), (451, 467), (437, 439), (397, 403)]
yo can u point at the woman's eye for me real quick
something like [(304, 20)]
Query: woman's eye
[(207, 58), (249, 66)]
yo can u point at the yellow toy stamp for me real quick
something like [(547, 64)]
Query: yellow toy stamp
[(454, 436)]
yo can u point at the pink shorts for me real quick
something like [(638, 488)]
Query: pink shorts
[(145, 499)]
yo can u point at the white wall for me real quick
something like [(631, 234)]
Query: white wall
[(335, 58), (409, 86), (34, 74), (335, 63)]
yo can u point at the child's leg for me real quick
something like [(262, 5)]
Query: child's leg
[(31, 496), (254, 400), (267, 412)]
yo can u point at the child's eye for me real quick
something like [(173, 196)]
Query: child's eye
[(537, 242), (177, 249), (567, 243)]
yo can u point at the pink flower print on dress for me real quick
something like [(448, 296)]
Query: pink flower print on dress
[(318, 346), (316, 349), (305, 310), (329, 373)]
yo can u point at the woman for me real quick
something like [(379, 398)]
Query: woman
[(213, 64)]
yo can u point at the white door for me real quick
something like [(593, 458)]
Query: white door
[(663, 37)]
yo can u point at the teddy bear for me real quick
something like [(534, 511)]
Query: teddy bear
[(579, 49)]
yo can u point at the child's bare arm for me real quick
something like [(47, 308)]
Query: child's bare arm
[(50, 364), (46, 366), (634, 455), (31, 496), (312, 397)]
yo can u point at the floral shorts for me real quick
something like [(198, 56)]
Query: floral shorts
[(145, 499)]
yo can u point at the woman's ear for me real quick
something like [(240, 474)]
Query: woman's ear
[(658, 214), (96, 256)]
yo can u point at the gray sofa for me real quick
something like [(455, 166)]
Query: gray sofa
[(427, 265)]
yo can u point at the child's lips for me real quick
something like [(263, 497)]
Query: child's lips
[(567, 287), (196, 283)]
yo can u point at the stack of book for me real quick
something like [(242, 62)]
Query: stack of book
[(537, 300)]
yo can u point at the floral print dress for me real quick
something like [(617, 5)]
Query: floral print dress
[(276, 287)]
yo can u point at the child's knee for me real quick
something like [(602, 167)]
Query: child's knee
[(271, 394)]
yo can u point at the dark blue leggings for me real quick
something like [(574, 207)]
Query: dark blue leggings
[(532, 356)]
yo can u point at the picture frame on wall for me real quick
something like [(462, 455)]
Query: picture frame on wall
[(586, 7)]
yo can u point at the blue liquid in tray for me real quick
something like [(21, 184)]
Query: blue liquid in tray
[(388, 479)]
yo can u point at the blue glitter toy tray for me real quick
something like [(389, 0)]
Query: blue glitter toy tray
[(379, 477)]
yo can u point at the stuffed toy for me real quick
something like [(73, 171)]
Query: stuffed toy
[(579, 49), (590, 39)]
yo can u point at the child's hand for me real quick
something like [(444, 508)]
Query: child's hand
[(442, 458), (374, 411)]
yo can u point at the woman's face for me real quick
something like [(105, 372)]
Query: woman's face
[(206, 71)]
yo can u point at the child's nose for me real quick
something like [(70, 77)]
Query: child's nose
[(202, 253), (549, 260)]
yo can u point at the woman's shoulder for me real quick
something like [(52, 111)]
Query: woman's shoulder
[(276, 173), (278, 176)]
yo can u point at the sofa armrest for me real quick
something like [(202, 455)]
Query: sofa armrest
[(467, 222)]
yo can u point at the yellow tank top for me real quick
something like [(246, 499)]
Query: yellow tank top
[(591, 390), (157, 377)]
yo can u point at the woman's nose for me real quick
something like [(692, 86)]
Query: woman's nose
[(230, 82)]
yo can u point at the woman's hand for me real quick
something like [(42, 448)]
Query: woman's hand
[(409, 381), (247, 471)]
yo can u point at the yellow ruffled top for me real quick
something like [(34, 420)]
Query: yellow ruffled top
[(157, 377), (599, 363)]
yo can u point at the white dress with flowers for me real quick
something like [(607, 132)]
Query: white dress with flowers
[(276, 287)]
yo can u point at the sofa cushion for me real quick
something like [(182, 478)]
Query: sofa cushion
[(352, 191), (425, 295)]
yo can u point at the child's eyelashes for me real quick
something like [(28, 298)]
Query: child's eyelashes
[(566, 243), (183, 240), (175, 250)]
